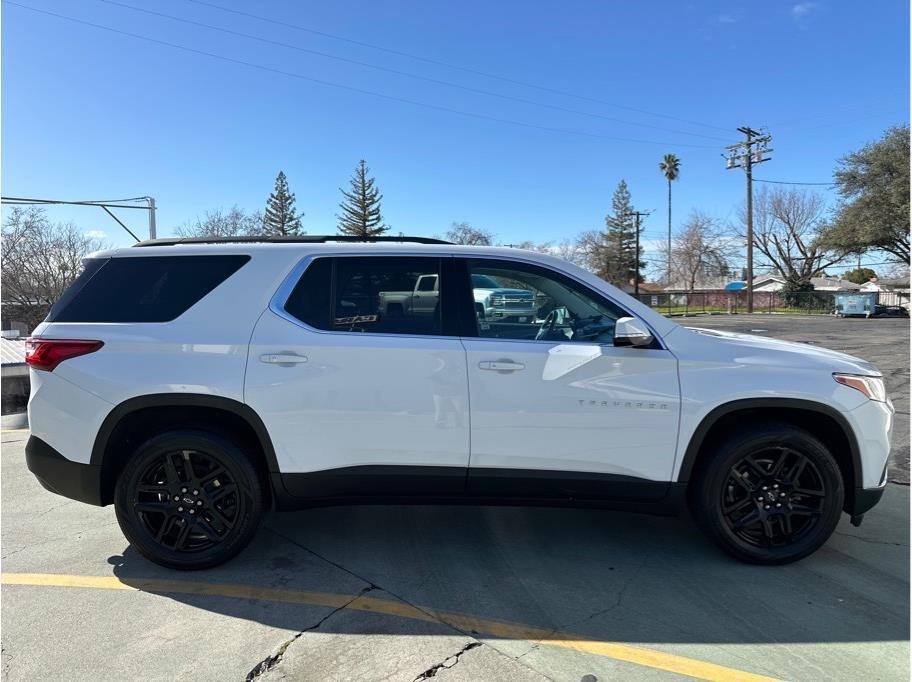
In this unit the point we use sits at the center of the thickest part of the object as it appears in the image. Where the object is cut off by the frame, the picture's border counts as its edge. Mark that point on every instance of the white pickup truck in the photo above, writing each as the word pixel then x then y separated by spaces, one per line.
pixel 494 302
pixel 422 300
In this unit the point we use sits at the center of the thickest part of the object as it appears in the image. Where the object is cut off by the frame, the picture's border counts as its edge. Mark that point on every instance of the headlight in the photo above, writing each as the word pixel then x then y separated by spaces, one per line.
pixel 873 387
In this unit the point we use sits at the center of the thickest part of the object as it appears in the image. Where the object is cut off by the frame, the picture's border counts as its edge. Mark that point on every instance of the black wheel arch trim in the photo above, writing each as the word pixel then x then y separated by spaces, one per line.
pixel 700 433
pixel 239 409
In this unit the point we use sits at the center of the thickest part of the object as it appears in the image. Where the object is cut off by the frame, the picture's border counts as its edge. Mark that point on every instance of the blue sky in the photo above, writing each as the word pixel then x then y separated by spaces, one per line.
pixel 92 114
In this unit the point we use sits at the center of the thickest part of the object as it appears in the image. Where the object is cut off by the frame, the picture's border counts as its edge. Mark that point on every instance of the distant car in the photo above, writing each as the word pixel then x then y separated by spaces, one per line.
pixel 195 385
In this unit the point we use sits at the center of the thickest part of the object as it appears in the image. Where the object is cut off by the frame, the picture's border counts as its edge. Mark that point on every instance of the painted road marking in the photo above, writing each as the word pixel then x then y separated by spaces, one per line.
pixel 12 430
pixel 621 652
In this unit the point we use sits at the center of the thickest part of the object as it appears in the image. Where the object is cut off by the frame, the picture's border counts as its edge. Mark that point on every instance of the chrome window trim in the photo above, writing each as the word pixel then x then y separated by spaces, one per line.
pixel 282 294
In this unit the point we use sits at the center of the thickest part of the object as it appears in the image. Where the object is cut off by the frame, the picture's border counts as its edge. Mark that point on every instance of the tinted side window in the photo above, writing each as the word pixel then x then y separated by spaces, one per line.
pixel 309 301
pixel 527 302
pixel 380 295
pixel 143 288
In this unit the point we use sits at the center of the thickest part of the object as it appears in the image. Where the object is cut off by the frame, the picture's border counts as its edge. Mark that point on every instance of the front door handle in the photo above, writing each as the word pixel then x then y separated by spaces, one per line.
pixel 283 358
pixel 501 365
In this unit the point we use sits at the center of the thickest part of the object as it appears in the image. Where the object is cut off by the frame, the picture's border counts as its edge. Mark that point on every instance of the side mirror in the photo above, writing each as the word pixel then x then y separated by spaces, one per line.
pixel 629 331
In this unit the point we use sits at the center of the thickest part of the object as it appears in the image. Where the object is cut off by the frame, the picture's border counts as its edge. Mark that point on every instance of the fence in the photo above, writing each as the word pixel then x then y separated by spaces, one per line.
pixel 802 303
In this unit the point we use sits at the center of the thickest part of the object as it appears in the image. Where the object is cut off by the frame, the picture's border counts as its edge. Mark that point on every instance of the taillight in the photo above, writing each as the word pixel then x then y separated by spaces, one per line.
pixel 46 354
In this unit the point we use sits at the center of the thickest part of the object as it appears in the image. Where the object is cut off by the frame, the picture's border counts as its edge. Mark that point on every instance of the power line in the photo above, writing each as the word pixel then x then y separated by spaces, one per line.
pixel 407 74
pixel 784 182
pixel 448 65
pixel 350 88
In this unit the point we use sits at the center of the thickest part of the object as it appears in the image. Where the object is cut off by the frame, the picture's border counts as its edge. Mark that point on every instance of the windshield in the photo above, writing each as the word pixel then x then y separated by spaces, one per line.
pixel 484 282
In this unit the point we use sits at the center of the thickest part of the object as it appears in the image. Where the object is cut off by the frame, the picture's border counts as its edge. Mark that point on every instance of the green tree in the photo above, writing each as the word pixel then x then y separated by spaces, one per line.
pixel 616 257
pixel 671 169
pixel 280 218
pixel 361 216
pixel 874 185
pixel 860 275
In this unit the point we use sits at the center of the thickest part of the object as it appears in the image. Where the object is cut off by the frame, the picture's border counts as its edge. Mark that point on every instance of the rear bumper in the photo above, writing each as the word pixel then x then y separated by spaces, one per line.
pixel 81 482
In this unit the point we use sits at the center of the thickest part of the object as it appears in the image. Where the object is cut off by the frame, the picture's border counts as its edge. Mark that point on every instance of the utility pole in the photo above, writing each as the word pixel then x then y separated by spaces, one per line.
pixel 151 217
pixel 636 273
pixel 744 155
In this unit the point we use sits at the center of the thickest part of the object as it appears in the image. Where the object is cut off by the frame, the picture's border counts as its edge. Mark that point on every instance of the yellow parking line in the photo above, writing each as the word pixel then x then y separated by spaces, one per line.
pixel 12 430
pixel 621 652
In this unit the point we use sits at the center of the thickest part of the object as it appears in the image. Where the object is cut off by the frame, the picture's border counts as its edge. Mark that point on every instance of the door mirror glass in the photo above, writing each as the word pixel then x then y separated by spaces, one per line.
pixel 629 331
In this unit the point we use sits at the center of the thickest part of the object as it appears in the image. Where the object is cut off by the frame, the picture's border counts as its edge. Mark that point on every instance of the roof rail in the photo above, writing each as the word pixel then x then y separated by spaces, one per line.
pixel 297 239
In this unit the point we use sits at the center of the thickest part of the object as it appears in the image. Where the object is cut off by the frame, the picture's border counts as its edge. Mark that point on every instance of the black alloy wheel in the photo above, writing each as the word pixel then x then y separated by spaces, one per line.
pixel 773 497
pixel 189 499
pixel 768 493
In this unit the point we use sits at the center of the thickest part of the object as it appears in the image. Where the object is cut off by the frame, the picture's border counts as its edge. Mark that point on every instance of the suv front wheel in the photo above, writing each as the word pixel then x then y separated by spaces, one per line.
pixel 188 499
pixel 771 494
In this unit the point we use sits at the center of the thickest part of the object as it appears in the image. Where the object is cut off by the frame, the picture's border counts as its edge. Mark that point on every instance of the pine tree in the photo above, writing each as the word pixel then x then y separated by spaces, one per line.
pixel 280 218
pixel 618 241
pixel 361 215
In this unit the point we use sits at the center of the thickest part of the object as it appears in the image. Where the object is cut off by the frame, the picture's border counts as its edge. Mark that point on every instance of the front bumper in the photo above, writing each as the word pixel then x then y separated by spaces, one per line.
pixel 81 482
pixel 865 499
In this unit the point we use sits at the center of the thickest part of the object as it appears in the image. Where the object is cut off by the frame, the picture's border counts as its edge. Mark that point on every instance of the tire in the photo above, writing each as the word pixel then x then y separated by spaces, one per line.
pixel 218 505
pixel 782 464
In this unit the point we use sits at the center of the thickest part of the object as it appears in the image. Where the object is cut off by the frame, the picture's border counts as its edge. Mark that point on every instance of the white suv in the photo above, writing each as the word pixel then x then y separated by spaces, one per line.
pixel 196 384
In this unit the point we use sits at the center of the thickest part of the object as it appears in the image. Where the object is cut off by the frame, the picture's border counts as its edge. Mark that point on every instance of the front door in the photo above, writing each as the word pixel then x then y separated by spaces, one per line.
pixel 557 410
pixel 359 402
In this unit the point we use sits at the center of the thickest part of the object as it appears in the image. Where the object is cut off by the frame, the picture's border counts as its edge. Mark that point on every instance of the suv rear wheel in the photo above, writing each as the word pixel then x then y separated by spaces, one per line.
pixel 188 499
pixel 771 494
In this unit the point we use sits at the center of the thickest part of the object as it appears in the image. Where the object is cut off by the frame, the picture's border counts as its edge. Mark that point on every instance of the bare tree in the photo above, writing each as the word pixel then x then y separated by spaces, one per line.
pixel 464 233
pixel 700 251
pixel 38 260
pixel 529 245
pixel 220 223
pixel 787 228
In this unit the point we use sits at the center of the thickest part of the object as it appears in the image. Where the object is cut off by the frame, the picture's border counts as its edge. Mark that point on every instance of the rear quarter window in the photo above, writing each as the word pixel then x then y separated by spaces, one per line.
pixel 142 288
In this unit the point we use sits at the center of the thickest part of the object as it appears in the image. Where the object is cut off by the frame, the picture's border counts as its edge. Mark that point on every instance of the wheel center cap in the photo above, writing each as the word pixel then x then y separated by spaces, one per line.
pixel 771 495
pixel 188 501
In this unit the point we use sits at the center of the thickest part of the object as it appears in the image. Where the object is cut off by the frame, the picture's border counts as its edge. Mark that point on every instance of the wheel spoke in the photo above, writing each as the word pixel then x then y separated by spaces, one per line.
pixel 222 492
pixel 207 529
pixel 165 527
pixel 152 507
pixel 809 492
pixel 171 470
pixel 225 521
pixel 741 480
pixel 795 472
pixel 785 520
pixel 735 506
pixel 747 520
pixel 151 489
pixel 756 466
pixel 803 510
pixel 182 534
pixel 780 463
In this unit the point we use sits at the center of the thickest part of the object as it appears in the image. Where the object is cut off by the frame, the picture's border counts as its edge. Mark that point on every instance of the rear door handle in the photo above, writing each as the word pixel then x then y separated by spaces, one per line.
pixel 501 365
pixel 283 358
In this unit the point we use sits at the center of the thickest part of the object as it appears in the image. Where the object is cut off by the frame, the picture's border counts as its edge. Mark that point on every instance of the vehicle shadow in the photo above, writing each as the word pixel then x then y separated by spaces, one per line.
pixel 607 576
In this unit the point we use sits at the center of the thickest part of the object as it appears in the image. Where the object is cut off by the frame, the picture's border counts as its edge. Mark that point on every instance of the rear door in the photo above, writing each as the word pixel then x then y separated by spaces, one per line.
pixel 557 410
pixel 359 402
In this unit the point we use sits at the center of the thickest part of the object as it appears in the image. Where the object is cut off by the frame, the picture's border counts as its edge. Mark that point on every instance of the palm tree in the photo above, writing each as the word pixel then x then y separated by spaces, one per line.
pixel 671 168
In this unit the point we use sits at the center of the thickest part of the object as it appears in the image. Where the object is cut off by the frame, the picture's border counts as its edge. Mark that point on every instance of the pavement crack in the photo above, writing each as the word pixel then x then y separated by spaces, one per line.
pixel 869 541
pixel 447 663
pixel 273 659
